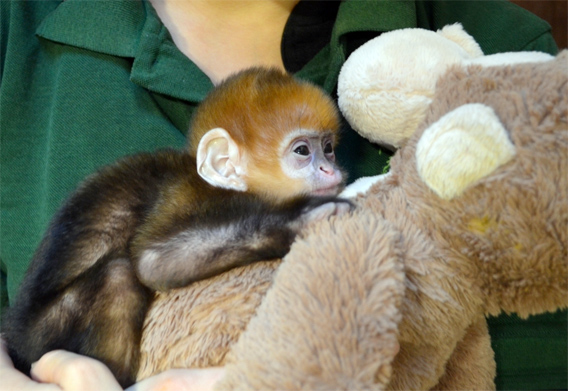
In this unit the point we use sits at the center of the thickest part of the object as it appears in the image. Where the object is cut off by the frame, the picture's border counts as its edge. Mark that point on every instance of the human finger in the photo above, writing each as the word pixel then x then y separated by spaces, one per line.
pixel 12 379
pixel 73 372
pixel 202 379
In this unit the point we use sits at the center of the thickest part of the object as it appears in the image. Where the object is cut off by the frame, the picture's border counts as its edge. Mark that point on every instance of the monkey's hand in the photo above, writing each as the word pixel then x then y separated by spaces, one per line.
pixel 333 208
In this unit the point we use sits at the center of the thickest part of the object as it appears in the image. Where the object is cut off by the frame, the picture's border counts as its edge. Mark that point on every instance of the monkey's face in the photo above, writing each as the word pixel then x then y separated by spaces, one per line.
pixel 291 151
pixel 309 157
pixel 302 163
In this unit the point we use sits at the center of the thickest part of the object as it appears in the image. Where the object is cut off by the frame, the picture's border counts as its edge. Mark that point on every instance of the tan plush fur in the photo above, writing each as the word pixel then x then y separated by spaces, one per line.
pixel 195 326
pixel 394 295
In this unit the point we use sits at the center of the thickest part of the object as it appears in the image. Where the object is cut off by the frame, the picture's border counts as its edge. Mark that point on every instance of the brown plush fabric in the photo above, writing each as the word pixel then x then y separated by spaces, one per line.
pixel 195 326
pixel 394 295
pixel 331 315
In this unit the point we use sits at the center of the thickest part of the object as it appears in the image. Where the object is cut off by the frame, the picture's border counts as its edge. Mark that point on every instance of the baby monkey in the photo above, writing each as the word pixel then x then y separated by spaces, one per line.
pixel 260 165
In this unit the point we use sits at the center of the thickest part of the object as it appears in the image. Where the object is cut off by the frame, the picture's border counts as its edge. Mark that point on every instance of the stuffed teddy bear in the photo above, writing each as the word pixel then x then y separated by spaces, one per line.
pixel 471 220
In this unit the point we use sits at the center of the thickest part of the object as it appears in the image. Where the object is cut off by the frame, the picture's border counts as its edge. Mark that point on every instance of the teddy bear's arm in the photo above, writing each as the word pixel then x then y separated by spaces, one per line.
pixel 474 349
pixel 330 319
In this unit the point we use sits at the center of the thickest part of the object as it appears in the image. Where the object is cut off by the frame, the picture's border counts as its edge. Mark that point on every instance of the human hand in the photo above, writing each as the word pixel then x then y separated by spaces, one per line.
pixel 65 371
pixel 56 371
pixel 73 372
pixel 202 379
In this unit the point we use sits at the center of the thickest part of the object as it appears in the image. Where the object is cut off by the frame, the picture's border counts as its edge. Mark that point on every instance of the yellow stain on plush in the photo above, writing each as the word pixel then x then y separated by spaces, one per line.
pixel 481 225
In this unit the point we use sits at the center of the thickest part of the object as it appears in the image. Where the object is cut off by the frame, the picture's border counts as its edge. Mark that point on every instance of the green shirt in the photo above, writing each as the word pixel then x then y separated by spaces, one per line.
pixel 86 82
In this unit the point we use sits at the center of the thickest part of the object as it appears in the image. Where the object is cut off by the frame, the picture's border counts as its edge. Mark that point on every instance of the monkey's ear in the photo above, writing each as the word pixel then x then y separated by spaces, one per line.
pixel 219 160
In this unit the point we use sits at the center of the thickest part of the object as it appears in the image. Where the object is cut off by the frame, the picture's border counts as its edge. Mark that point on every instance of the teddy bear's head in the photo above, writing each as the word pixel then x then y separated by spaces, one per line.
pixel 386 86
pixel 486 176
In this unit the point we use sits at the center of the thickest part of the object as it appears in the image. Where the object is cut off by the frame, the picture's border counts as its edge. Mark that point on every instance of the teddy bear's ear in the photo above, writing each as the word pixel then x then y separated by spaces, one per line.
pixel 456 33
pixel 462 147
pixel 386 86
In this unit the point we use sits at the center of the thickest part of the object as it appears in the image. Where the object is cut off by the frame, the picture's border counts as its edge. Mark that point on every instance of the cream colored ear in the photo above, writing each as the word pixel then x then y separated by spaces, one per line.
pixel 462 147
pixel 219 160
pixel 456 33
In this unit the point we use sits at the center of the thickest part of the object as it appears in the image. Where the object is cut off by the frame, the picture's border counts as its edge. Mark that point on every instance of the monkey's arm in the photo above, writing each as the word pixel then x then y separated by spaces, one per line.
pixel 237 230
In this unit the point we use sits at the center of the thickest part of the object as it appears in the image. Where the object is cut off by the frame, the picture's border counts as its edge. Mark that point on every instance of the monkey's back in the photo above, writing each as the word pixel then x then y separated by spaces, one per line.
pixel 93 227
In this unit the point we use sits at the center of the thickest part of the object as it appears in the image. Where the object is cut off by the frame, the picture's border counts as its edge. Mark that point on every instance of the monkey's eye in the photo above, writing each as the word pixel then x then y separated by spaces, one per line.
pixel 302 150
pixel 328 148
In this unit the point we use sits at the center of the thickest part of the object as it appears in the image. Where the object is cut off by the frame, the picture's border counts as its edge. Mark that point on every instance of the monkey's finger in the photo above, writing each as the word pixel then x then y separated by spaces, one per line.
pixel 181 380
pixel 343 208
pixel 321 212
pixel 326 210
pixel 72 372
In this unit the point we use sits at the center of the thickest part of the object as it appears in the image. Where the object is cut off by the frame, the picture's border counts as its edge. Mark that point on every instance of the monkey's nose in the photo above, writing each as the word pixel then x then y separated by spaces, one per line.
pixel 327 169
